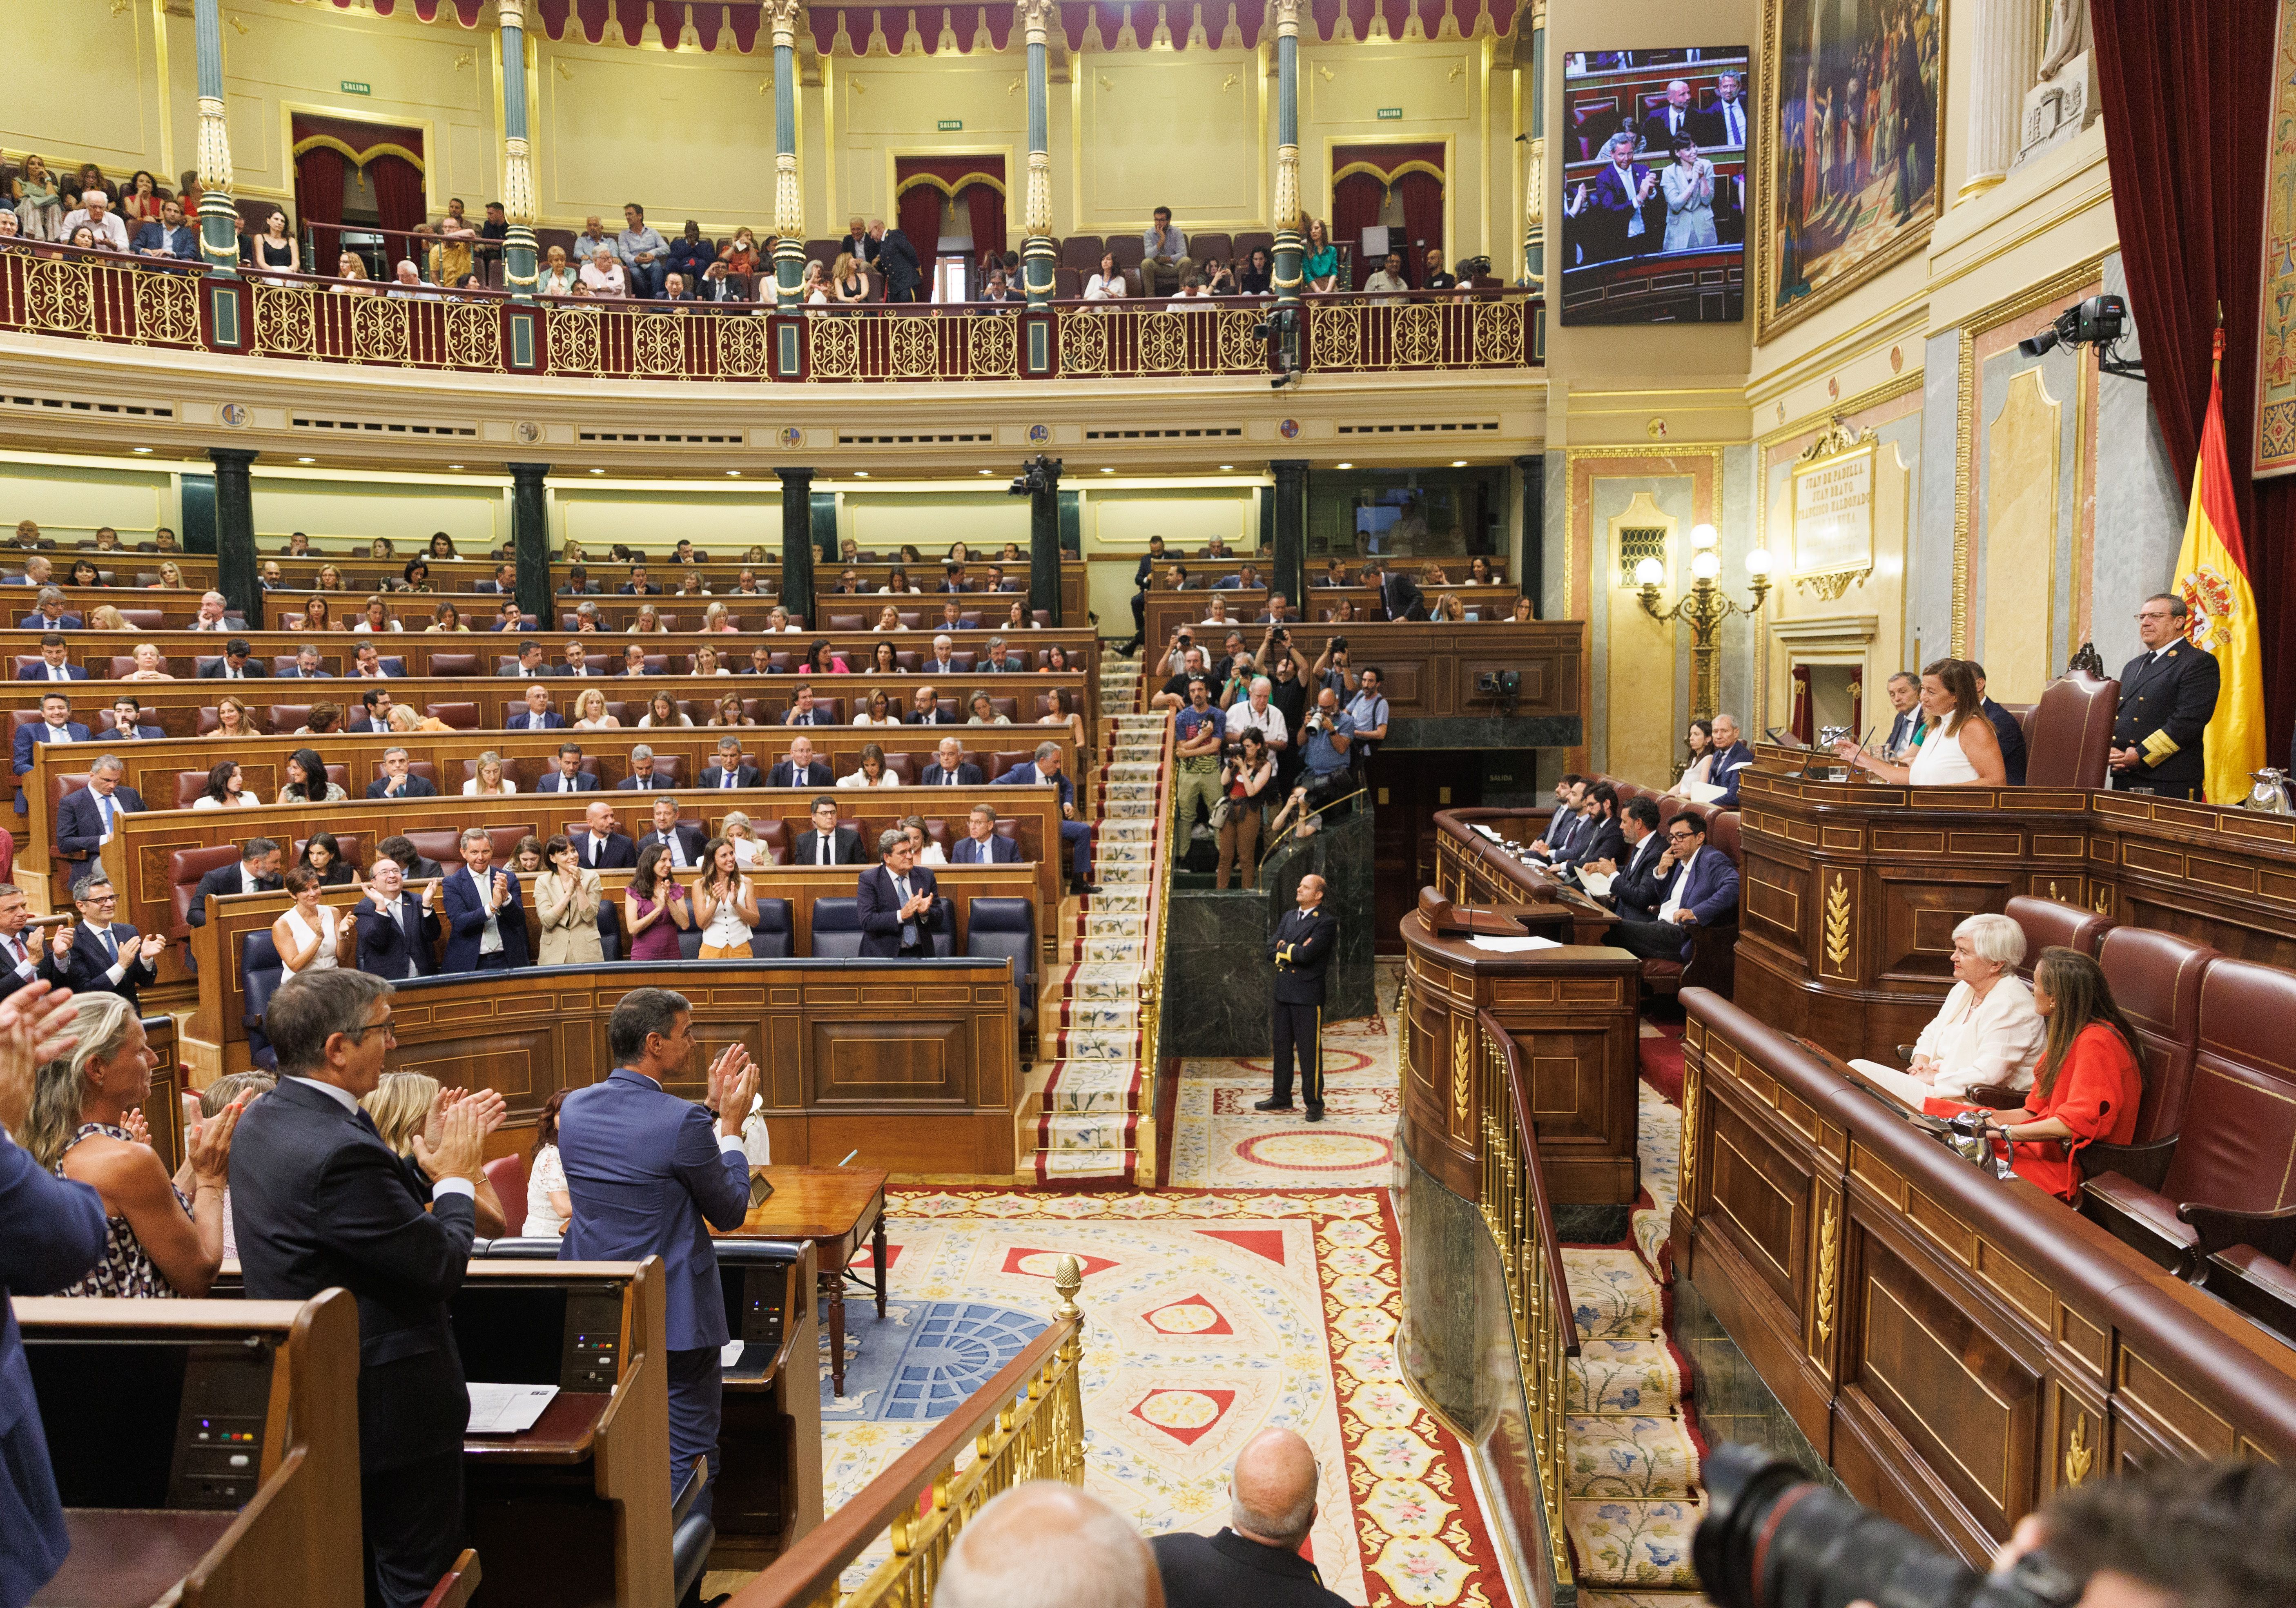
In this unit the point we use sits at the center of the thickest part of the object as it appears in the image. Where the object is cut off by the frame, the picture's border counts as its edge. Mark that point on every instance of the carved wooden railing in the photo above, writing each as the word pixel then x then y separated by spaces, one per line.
pixel 100 297
pixel 1026 1423
pixel 1516 1210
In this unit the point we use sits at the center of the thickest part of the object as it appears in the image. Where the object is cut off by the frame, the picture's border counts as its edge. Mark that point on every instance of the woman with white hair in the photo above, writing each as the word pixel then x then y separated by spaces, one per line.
pixel 1986 1032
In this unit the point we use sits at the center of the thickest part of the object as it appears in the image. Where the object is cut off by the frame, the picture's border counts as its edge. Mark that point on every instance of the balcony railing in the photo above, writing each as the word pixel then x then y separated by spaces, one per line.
pixel 101 297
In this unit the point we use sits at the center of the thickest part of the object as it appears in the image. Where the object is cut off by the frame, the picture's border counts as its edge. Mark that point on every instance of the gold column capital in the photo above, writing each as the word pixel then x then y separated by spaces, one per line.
pixel 1287 19
pixel 510 14
pixel 784 15
pixel 1035 21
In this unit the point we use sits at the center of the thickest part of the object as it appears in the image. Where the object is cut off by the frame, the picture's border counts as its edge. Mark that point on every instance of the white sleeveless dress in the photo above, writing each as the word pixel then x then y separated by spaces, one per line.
pixel 1940 762
pixel 325 959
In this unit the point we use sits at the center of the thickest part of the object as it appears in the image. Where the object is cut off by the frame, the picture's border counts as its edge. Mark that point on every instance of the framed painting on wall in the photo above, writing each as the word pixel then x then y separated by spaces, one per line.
pixel 1850 177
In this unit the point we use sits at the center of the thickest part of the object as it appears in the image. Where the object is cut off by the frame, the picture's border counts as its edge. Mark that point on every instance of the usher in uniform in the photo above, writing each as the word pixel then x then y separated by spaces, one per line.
pixel 1301 950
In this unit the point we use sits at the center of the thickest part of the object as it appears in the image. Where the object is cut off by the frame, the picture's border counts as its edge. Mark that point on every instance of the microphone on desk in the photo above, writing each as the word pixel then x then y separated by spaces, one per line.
pixel 850 1155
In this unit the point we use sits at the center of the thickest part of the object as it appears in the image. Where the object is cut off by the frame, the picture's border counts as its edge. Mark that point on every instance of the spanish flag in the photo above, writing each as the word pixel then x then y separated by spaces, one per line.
pixel 2212 577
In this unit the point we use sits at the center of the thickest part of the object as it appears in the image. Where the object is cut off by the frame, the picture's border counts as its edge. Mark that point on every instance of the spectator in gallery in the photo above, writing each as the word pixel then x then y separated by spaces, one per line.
pixel 603 274
pixel 1165 263
pixel 1106 285
pixel 1320 265
pixel 1388 287
pixel 559 276
pixel 643 253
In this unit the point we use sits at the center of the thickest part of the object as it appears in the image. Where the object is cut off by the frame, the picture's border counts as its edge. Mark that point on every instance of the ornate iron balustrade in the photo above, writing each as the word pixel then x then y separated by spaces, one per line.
pixel 98 296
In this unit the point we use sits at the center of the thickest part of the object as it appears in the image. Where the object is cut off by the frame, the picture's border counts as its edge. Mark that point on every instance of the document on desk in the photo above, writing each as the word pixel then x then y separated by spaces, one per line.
pixel 1704 792
pixel 507 1409
pixel 1596 882
pixel 1512 946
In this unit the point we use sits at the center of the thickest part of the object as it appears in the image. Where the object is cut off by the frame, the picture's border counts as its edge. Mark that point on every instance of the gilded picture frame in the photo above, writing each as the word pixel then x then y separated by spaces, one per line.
pixel 1860 205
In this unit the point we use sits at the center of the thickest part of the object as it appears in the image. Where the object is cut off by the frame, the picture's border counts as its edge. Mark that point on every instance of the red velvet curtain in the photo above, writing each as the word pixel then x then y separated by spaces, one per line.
pixel 986 207
pixel 1422 194
pixel 319 200
pixel 921 222
pixel 2187 94
pixel 1356 201
pixel 397 192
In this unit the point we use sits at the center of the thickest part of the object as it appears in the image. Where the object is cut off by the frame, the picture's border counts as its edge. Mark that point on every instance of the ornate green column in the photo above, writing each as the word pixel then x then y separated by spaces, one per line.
pixel 518 170
pixel 1037 250
pixel 1290 244
pixel 218 218
pixel 789 206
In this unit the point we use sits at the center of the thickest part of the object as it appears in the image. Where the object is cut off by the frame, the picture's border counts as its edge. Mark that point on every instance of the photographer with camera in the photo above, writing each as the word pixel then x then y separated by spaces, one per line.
pixel 1287 672
pixel 2180 1535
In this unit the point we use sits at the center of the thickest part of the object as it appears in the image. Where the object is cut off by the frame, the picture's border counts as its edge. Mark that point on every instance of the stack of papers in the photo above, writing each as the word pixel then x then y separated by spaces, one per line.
pixel 1704 792
pixel 1512 946
pixel 1596 882
pixel 507 1409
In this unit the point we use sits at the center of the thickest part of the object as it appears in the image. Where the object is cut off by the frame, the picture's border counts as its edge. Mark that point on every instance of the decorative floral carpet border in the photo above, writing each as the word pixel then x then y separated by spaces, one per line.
pixel 1419 1536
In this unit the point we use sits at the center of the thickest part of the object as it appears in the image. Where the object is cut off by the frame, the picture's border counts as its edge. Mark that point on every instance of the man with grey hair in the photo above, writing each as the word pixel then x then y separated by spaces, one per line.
pixel 641 778
pixel 944 659
pixel 1045 771
pixel 486 919
pixel 1986 1032
pixel 899 905
pixel 1044 1545
pixel 1616 204
pixel 212 606
pixel 49 613
pixel 89 816
pixel 399 780
pixel 1732 759
pixel 1255 1559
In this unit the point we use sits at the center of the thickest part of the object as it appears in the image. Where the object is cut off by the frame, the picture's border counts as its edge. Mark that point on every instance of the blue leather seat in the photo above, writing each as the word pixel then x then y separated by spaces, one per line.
pixel 1006 929
pixel 943 937
pixel 772 937
pixel 836 929
pixel 262 973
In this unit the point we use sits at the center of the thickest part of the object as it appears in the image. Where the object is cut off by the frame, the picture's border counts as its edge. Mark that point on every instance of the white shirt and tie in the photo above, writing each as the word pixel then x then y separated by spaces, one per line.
pixel 232 672
pixel 56 672
pixel 1734 122
pixel 675 847
pixel 825 849
pixel 490 941
pixel 908 928
pixel 19 959
pixel 106 810
pixel 59 733
pixel 730 777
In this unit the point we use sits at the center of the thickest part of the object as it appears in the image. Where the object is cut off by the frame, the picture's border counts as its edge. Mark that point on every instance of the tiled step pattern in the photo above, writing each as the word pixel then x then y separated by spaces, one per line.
pixel 1093 1110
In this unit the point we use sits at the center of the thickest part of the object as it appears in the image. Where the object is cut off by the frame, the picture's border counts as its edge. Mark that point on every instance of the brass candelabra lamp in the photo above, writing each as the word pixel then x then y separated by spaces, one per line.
pixel 1703 607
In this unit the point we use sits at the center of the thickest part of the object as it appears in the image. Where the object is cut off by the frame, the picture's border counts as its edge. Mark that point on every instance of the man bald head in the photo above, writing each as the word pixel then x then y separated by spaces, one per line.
pixel 1044 1545
pixel 1272 1495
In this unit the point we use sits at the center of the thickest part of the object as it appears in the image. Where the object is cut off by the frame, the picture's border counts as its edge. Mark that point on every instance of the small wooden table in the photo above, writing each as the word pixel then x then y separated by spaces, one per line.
pixel 835 1206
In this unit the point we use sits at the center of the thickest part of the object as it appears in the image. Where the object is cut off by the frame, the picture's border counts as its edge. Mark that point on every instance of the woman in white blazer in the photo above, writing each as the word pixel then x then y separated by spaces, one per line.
pixel 1986 1032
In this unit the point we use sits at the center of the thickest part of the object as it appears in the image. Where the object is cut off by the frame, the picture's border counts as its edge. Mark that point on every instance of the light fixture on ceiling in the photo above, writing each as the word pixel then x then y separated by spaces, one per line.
pixel 1105 469
pixel 456 466
pixel 1458 463
pixel 1346 465
pixel 988 471
pixel 1226 468
pixel 597 471
pixel 307 460
pixel 144 449
pixel 860 474
pixel 733 474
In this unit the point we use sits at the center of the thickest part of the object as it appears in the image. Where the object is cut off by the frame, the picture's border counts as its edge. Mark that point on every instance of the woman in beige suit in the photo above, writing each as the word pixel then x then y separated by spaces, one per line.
pixel 566 897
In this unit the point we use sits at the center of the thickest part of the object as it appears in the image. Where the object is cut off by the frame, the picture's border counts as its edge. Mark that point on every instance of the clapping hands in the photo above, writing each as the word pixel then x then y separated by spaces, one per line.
pixel 733 1088
pixel 36 1025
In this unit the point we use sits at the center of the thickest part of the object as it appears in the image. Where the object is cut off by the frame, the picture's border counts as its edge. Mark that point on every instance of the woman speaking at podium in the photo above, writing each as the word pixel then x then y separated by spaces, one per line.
pixel 1960 750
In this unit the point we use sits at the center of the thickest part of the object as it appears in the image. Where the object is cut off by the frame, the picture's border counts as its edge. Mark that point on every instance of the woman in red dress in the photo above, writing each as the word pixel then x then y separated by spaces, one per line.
pixel 2087 1085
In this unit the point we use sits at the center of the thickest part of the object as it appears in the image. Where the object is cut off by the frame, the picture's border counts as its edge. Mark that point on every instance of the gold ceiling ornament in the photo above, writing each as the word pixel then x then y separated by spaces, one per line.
pixel 1838 436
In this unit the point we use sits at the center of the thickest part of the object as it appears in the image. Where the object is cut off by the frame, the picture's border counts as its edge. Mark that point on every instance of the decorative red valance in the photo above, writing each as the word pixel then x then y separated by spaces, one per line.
pixel 859 31
pixel 949 175
pixel 1388 163
pixel 358 142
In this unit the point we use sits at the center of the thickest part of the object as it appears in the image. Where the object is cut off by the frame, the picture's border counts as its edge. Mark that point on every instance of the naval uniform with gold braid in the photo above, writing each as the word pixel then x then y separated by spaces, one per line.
pixel 2166 700
pixel 1301 950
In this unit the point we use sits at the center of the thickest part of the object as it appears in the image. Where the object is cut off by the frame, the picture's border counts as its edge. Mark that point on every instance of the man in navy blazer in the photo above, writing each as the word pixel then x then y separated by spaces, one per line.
pixel 649 1174
pixel 256 870
pixel 98 956
pixel 732 771
pixel 800 769
pixel 87 817
pixel 805 711
pixel 1045 771
pixel 168 236
pixel 1732 759
pixel 980 845
pixel 397 932
pixel 1702 888
pixel 684 842
pixel 506 581
pixel 897 902
pixel 56 725
pixel 52 1232
pixel 825 842
pixel 603 848
pixel 54 664
pixel 948 768
pixel 319 1201
pixel 486 920
pixel 570 776
pixel 538 716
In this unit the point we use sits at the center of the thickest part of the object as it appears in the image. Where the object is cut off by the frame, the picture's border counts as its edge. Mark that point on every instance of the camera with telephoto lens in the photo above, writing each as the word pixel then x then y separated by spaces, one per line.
pixel 1771 1538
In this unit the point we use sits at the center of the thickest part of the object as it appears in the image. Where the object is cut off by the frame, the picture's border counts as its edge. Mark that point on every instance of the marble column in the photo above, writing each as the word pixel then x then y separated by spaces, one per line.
pixel 218 221
pixel 1290 244
pixel 237 576
pixel 788 205
pixel 797 542
pixel 1531 563
pixel 1534 197
pixel 1288 568
pixel 530 533
pixel 1044 541
pixel 518 170
pixel 2002 68
pixel 1038 251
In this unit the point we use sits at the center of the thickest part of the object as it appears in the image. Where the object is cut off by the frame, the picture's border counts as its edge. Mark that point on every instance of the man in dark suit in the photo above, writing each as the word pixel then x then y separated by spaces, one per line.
pixel 569 777
pixel 237 663
pixel 257 871
pixel 1702 888
pixel 1727 128
pixel 168 235
pixel 2168 693
pixel 397 781
pixel 683 841
pixel 20 960
pixel 1905 690
pixel 532 663
pixel 52 1232
pixel 802 769
pixel 925 709
pixel 307 666
pixel 1636 890
pixel 980 845
pixel 943 661
pixel 486 919
pixel 2011 735
pixel 1400 597
pixel 600 842
pixel 1255 1559
pixel 949 767
pixel 827 843
pixel 1045 771
pixel 804 711
pixel 506 581
pixel 897 902
pixel 1150 562
pixel 100 956
pixel 1567 824
pixel 643 777
pixel 374 705
pixel 538 716
pixel 397 932
pixel 54 663
pixel 732 771
pixel 638 586
pixel 1623 195
pixel 56 725
pixel 319 1201
pixel 1302 949
pixel 859 243
pixel 1601 838
pixel 87 817
pixel 1672 120
pixel 410 860
pixel 897 260
pixel 1732 758
pixel 650 1175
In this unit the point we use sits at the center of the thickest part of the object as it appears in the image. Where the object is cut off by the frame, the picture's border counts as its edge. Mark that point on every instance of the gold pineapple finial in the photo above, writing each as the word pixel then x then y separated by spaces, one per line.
pixel 1068 1278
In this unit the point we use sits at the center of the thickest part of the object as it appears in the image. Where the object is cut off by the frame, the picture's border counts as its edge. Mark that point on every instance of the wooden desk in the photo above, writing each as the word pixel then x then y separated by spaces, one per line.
pixel 766 1495
pixel 130 1557
pixel 566 1432
pixel 834 1207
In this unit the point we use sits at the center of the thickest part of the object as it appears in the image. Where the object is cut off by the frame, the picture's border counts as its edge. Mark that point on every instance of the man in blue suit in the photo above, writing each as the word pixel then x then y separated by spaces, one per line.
pixel 54 663
pixel 948 768
pixel 485 920
pixel 1046 772
pixel 168 236
pixel 397 932
pixel 898 904
pixel 1702 888
pixel 570 776
pixel 649 1174
pixel 86 819
pixel 52 1232
pixel 980 845
pixel 1732 759
pixel 56 725
pixel 538 716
